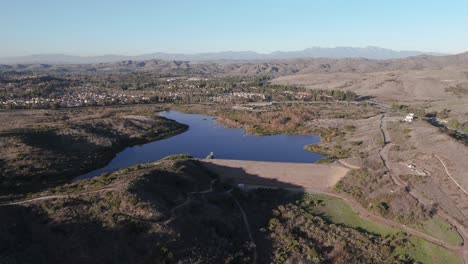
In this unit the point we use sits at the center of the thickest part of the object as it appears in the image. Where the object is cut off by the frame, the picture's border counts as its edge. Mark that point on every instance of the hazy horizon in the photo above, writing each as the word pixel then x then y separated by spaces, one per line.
pixel 222 51
pixel 91 28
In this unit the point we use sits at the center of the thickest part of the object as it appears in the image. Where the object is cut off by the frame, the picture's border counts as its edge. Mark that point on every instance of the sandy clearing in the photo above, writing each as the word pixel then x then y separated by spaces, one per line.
pixel 278 174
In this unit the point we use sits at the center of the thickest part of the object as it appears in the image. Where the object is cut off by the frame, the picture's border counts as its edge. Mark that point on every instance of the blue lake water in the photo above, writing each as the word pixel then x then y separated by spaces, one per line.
pixel 205 135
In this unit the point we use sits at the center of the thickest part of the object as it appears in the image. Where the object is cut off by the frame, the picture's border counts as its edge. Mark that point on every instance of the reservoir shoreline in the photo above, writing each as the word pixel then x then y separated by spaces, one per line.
pixel 205 135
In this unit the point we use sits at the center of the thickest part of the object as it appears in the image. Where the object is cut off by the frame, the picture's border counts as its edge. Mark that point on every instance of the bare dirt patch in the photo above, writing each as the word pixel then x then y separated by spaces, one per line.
pixel 278 174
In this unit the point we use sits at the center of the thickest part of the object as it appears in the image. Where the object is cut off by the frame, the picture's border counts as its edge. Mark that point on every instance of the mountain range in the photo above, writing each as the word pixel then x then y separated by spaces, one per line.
pixel 370 52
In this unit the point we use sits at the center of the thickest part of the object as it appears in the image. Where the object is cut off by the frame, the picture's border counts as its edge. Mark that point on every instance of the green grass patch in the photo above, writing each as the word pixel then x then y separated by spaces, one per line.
pixel 426 252
pixel 333 152
pixel 339 212
pixel 439 228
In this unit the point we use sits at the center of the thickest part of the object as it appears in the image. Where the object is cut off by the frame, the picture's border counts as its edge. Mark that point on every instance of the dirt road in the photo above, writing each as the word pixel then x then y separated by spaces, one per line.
pixel 364 213
pixel 450 176
pixel 59 196
pixel 462 251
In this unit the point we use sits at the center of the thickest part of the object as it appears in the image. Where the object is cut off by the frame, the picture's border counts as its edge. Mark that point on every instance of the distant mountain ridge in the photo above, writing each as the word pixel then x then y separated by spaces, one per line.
pixel 370 52
pixel 276 67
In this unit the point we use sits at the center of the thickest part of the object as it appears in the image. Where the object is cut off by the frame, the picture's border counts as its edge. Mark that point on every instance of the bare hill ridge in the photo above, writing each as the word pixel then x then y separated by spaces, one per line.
pixel 270 67
pixel 369 52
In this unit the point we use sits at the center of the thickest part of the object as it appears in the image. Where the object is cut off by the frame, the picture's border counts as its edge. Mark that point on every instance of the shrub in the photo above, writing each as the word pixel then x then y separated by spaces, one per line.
pixel 383 208
pixel 443 114
pixel 453 124
pixel 178 157
pixel 465 128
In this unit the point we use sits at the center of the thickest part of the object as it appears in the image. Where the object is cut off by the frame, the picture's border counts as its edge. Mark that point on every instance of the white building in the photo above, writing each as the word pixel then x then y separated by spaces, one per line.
pixel 409 118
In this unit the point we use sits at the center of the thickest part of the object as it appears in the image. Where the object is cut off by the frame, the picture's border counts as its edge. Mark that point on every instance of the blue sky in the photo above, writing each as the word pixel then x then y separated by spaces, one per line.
pixel 92 27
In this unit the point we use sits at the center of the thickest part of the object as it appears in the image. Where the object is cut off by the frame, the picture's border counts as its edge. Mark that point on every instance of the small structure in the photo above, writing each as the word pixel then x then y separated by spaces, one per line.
pixel 210 156
pixel 409 118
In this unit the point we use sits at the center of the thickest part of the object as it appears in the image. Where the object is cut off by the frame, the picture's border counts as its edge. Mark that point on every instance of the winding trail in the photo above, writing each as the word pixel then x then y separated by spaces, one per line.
pixel 247 225
pixel 364 213
pixel 188 200
pixel 228 192
pixel 377 218
pixel 60 196
pixel 460 228
pixel 462 251
pixel 450 176
pixel 346 164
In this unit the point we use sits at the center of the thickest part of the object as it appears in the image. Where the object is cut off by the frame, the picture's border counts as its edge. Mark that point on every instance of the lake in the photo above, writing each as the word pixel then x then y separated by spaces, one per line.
pixel 205 135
